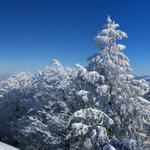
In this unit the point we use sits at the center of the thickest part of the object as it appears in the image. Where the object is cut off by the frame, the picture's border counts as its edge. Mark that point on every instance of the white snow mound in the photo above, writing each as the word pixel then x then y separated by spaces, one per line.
pixel 4 146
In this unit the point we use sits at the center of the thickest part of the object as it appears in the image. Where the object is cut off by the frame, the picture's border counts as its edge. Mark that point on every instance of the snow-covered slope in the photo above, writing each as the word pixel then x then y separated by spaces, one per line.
pixel 7 147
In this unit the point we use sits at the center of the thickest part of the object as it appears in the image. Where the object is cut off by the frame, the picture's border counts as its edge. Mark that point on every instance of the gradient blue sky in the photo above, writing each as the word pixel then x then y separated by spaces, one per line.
pixel 33 32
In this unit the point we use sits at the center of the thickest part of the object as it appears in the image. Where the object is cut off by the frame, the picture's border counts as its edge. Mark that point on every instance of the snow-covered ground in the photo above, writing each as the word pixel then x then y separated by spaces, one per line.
pixel 7 147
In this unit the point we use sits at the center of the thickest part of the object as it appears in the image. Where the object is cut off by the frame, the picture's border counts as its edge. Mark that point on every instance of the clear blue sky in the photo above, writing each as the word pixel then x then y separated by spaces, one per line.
pixel 33 32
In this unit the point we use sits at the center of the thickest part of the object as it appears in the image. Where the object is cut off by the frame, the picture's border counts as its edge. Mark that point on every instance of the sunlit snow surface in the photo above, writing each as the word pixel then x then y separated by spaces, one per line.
pixel 6 147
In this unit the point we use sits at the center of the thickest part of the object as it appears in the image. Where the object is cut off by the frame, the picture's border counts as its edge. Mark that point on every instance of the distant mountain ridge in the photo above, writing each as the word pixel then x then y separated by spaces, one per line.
pixel 4 75
pixel 145 77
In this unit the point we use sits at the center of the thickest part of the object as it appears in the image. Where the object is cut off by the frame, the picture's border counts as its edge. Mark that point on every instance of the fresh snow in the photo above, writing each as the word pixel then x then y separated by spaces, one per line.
pixel 95 115
pixel 4 146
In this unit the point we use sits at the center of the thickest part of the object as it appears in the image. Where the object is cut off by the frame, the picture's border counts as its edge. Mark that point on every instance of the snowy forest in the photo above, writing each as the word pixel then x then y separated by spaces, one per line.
pixel 101 106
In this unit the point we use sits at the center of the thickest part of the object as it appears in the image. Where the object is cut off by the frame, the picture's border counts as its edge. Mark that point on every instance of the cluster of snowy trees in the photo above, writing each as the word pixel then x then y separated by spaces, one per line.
pixel 97 107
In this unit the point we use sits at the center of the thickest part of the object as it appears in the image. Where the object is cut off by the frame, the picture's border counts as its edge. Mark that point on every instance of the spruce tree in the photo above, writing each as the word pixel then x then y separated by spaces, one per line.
pixel 124 103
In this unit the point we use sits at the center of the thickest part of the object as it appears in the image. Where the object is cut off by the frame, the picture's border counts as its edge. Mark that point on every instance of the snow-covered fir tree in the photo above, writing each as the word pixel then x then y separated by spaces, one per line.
pixel 89 126
pixel 126 106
